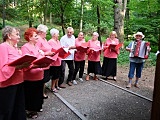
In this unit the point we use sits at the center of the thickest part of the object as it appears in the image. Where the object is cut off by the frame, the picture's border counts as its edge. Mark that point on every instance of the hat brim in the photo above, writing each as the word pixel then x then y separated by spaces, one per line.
pixel 138 34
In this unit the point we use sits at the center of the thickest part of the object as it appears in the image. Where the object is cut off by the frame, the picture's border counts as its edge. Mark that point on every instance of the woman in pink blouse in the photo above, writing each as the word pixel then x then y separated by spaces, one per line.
pixel 79 58
pixel 94 52
pixel 109 67
pixel 12 103
pixel 55 67
pixel 33 84
pixel 43 45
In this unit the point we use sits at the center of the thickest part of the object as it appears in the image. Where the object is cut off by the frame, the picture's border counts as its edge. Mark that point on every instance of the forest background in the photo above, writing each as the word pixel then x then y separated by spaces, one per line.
pixel 126 17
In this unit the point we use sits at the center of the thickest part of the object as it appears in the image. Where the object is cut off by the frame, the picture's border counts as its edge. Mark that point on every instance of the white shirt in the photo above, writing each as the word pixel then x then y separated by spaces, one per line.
pixel 68 42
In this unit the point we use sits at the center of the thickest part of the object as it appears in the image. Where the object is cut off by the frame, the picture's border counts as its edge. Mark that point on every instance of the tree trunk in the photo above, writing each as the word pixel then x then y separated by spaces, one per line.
pixel 4 13
pixel 127 21
pixel 119 15
pixel 45 11
pixel 62 18
pixel 81 20
pixel 50 18
pixel 98 26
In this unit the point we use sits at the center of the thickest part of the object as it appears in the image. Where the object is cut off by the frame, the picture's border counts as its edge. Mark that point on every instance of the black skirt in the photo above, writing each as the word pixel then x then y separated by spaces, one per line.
pixel 55 72
pixel 33 95
pixel 109 67
pixel 94 67
pixel 46 76
pixel 12 103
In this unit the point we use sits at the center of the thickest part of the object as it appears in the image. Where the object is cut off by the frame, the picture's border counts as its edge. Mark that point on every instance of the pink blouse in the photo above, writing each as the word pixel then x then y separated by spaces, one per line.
pixel 56 45
pixel 94 50
pixel 34 74
pixel 108 52
pixel 8 74
pixel 79 56
pixel 44 46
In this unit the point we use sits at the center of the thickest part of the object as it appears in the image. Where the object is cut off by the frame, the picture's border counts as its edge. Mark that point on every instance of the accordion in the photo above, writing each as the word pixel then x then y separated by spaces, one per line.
pixel 140 49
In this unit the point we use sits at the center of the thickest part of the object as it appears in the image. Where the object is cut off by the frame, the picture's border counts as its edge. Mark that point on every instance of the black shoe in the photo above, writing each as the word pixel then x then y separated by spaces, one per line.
pixel 45 97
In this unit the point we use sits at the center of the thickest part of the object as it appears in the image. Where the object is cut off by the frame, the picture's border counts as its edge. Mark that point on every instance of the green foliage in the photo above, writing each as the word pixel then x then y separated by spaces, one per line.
pixel 145 17
pixel 123 57
pixel 151 60
pixel 89 28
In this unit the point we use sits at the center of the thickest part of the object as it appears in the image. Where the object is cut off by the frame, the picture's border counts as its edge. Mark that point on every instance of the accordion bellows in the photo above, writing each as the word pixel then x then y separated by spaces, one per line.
pixel 139 49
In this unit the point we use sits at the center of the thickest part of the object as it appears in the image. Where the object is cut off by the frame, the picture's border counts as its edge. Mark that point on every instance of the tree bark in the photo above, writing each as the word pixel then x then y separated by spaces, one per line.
pixel 45 12
pixel 98 26
pixel 62 17
pixel 4 13
pixel 81 20
pixel 119 15
pixel 50 17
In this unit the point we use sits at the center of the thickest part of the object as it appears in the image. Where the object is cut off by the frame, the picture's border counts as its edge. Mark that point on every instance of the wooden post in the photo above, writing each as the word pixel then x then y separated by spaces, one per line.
pixel 155 113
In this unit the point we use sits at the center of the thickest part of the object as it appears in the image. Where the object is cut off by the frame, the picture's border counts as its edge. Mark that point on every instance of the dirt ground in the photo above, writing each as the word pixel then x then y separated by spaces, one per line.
pixel 146 83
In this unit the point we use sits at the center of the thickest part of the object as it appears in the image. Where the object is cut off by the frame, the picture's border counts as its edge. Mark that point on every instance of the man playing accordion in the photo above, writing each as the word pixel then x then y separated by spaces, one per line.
pixel 139 50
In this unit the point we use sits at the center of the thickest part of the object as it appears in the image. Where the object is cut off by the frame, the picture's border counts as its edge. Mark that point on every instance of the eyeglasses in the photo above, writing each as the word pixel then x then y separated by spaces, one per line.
pixel 138 35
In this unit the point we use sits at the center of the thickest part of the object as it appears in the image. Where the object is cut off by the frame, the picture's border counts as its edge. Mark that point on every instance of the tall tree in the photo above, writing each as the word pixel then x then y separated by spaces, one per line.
pixel 98 26
pixel 62 8
pixel 4 13
pixel 119 15
pixel 45 10
pixel 81 17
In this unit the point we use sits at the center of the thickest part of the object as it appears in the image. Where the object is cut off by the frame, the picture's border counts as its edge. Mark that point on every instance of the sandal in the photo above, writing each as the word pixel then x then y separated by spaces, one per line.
pixel 54 90
pixel 114 78
pixel 58 88
pixel 32 115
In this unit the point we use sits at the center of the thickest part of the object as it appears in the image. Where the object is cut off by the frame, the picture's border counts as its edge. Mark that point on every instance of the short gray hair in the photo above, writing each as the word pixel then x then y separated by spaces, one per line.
pixel 42 28
pixel 6 31
pixel 54 31
pixel 70 28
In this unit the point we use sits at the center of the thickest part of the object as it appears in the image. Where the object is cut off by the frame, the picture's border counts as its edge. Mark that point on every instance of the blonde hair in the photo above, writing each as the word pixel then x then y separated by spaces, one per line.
pixel 95 33
pixel 113 33
pixel 42 28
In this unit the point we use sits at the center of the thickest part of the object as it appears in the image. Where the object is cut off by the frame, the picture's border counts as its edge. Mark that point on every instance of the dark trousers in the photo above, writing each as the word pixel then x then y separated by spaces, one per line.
pixel 12 103
pixel 33 95
pixel 71 71
pixel 79 66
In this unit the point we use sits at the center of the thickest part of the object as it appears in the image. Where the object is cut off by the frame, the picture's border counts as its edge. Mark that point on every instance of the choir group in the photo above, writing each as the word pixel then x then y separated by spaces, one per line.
pixel 22 86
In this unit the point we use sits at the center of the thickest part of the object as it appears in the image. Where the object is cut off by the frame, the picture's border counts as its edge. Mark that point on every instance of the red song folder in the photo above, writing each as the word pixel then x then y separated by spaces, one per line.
pixel 116 46
pixel 119 46
pixel 63 52
pixel 23 59
pixel 43 60
pixel 83 48
pixel 96 49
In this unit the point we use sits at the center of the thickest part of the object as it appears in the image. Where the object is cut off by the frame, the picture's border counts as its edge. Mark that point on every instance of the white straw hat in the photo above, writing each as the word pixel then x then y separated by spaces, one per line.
pixel 139 33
